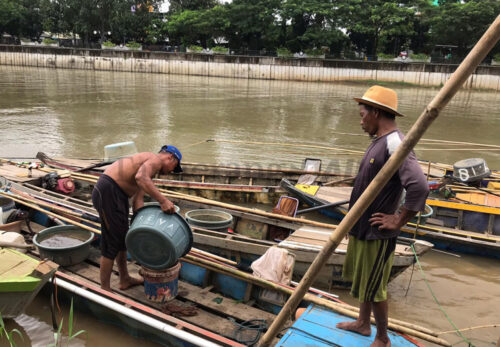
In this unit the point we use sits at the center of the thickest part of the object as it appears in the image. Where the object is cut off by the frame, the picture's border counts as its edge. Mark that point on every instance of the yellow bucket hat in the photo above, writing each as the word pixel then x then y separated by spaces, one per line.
pixel 380 97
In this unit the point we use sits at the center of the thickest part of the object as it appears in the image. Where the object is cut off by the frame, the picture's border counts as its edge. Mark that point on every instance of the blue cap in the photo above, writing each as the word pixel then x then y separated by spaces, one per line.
pixel 176 153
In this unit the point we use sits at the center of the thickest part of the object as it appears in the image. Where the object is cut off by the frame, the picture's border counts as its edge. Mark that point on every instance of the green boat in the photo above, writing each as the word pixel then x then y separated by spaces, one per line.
pixel 21 278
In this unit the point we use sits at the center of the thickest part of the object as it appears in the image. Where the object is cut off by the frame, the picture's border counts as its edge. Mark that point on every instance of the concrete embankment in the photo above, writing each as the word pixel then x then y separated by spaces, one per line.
pixel 293 69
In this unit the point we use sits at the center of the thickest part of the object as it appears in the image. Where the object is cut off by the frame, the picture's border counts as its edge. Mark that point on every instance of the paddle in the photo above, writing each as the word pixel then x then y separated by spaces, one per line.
pixel 317 208
pixel 103 163
pixel 51 162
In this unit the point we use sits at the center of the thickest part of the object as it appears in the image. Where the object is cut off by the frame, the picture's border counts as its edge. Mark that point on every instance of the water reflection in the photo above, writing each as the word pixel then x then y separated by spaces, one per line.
pixel 75 113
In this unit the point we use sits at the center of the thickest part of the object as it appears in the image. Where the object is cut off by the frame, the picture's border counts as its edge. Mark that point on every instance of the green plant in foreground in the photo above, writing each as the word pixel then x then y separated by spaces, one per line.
pixel 133 45
pixel 108 44
pixel 58 336
pixel 496 57
pixel 9 334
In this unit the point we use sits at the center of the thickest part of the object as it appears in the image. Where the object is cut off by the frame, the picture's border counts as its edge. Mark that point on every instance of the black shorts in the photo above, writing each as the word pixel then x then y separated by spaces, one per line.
pixel 112 204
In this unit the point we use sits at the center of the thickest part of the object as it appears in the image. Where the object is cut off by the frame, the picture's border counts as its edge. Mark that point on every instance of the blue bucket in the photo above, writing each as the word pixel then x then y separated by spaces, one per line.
pixel 156 239
pixel 161 286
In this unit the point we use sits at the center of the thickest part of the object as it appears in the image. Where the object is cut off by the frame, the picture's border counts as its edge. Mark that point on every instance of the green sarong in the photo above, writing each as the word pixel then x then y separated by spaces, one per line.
pixel 368 265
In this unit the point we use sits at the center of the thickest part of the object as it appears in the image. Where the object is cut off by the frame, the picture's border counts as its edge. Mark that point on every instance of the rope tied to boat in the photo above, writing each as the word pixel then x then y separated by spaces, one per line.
pixel 459 333
pixel 258 325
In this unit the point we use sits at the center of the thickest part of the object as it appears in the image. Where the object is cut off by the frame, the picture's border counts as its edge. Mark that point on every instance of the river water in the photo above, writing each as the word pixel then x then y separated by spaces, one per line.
pixel 259 123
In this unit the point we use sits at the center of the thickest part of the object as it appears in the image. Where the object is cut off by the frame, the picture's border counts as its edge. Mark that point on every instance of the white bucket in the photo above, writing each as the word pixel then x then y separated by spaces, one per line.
pixel 119 150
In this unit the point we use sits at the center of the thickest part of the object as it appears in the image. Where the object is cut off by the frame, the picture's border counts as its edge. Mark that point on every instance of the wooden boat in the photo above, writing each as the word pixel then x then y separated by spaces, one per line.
pixel 222 183
pixel 456 225
pixel 251 237
pixel 21 278
pixel 310 330
pixel 216 304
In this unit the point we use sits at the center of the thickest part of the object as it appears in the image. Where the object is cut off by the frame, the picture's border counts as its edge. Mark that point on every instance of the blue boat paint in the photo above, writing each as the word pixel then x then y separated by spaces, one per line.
pixel 316 327
pixel 230 286
pixel 193 274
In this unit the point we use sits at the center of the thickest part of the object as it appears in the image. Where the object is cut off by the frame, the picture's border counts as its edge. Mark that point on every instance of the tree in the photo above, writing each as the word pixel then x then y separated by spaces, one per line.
pixel 200 27
pixel 11 15
pixel 177 6
pixel 462 24
pixel 367 21
pixel 253 24
pixel 312 24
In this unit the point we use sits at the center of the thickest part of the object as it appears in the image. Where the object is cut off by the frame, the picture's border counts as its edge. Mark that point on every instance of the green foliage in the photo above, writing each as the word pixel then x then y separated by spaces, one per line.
pixel 383 56
pixel 419 56
pixel 9 335
pixel 496 57
pixel 368 26
pixel 463 23
pixel 192 5
pixel 58 335
pixel 133 45
pixel 48 41
pixel 197 27
pixel 108 44
pixel 284 52
pixel 220 50
pixel 195 49
pixel 314 52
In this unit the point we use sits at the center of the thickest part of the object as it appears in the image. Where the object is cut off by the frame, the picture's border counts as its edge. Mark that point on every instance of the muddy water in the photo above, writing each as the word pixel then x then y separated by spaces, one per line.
pixel 61 242
pixel 260 123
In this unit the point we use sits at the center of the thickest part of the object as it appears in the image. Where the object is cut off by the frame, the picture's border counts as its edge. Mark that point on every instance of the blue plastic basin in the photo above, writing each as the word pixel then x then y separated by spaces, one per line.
pixel 156 239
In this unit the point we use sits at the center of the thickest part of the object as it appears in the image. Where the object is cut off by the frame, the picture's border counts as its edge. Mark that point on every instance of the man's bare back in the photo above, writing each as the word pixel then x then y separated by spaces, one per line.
pixel 124 171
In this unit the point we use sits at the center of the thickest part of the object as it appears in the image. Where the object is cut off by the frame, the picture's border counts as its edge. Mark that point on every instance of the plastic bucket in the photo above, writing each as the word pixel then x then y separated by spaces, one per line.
pixel 210 219
pixel 156 239
pixel 64 254
pixel 428 211
pixel 161 286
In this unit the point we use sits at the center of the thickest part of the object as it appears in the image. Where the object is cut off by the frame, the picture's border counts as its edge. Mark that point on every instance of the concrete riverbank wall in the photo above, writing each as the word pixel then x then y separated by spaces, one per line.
pixel 293 69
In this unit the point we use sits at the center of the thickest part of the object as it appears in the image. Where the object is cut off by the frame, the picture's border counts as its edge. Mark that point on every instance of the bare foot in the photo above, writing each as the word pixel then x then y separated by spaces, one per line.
pixel 130 282
pixel 357 327
pixel 106 288
pixel 381 342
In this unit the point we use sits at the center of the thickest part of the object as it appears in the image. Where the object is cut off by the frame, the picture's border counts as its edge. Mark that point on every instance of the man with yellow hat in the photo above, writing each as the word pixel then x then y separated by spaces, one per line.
pixel 372 240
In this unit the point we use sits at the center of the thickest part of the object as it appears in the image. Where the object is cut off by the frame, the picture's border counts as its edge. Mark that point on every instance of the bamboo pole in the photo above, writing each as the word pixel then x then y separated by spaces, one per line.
pixel 213 256
pixel 397 325
pixel 53 207
pixel 178 195
pixel 431 112
pixel 38 208
pixel 192 198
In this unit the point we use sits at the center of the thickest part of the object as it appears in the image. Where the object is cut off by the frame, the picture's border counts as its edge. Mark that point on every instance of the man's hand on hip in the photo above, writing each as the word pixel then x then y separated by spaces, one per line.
pixel 386 221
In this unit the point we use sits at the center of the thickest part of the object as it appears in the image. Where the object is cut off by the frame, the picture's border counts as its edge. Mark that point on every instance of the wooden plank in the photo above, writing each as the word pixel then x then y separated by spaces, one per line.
pixel 203 319
pixel 227 307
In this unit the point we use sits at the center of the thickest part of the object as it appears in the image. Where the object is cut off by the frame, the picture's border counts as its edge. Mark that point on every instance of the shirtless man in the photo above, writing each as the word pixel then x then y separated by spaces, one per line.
pixel 128 178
